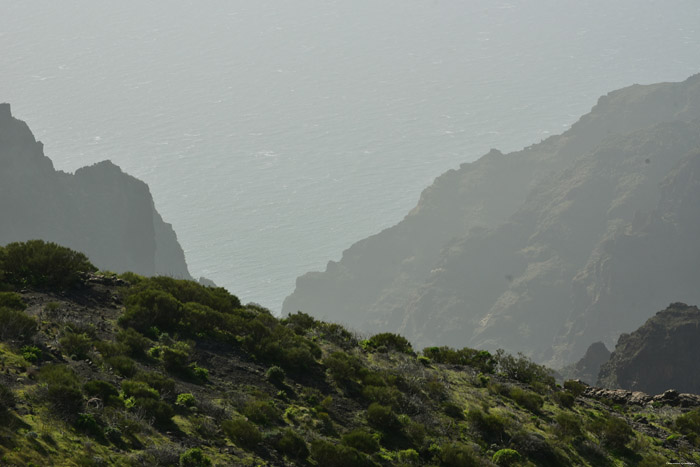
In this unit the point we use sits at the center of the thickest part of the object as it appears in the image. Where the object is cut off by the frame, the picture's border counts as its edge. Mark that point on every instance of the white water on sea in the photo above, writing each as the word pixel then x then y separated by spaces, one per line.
pixel 275 133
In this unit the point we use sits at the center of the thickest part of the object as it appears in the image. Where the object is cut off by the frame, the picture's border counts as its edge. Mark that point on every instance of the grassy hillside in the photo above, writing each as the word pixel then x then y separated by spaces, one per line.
pixel 99 369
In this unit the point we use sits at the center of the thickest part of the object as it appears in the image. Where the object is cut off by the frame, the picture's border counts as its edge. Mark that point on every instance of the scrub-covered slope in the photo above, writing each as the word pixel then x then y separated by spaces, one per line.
pixel 106 370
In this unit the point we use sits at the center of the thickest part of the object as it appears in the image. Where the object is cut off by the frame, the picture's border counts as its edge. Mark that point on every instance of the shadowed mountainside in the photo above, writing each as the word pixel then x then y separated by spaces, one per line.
pixel 514 251
pixel 99 209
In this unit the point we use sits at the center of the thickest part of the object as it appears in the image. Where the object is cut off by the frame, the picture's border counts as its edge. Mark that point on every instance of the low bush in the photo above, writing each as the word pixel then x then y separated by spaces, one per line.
pixel 523 369
pixel 242 433
pixel 134 342
pixel 490 425
pixel 31 353
pixel 343 367
pixel 194 457
pixel 387 341
pixel 614 432
pixel 42 264
pixel 186 399
pixel 362 441
pixel 12 301
pixel 300 322
pixel 568 425
pixel 381 417
pixel 564 398
pixel 506 457
pixel 76 345
pixel 7 398
pixel 689 423
pixel 527 399
pixel 87 424
pixel 16 325
pixel 62 390
pixel 575 387
pixel 122 365
pixel 103 390
pixel 337 455
pixel 292 445
pixel 156 410
pixel 458 455
pixel 262 412
pixel 158 381
pixel 275 375
pixel 139 389
pixel 479 359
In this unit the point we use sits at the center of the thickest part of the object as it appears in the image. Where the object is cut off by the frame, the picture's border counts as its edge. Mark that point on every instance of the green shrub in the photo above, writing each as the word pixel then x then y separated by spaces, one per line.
pixel 564 398
pixel 614 432
pixel 689 423
pixel 139 389
pixel 122 365
pixel 458 455
pixel 103 390
pixel 76 345
pixel 453 410
pixel 491 426
pixel 479 359
pixel 342 367
pixel 31 353
pixel 575 387
pixel 134 342
pixel 42 264
pixel 523 369
pixel 506 457
pixel 568 425
pixel 242 432
pixel 292 445
pixel 186 399
pixel 62 390
pixel 388 341
pixel 158 381
pixel 331 455
pixel 385 395
pixel 12 300
pixel 275 375
pixel 87 424
pixel 262 412
pixel 16 325
pixel 157 410
pixel 362 441
pixel 194 457
pixel 199 373
pixel 300 322
pixel 381 417
pixel 527 399
pixel 151 308
pixel 7 398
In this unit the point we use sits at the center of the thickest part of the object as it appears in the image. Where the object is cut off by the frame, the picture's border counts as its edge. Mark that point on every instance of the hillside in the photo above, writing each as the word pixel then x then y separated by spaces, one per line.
pixel 660 355
pixel 538 250
pixel 99 210
pixel 126 370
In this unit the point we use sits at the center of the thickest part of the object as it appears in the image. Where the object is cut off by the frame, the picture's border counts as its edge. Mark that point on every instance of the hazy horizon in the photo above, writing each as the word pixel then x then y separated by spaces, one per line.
pixel 273 135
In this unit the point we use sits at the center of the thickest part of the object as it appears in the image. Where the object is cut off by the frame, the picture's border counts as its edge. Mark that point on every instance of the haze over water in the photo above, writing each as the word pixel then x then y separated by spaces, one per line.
pixel 273 134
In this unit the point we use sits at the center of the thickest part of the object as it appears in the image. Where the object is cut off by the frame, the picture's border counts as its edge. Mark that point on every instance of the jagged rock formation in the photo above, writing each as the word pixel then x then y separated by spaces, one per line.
pixel 543 250
pixel 660 355
pixel 620 396
pixel 99 210
pixel 588 367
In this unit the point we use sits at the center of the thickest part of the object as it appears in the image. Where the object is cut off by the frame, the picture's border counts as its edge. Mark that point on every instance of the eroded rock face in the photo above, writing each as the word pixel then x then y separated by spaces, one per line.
pixel 661 355
pixel 588 367
pixel 99 210
pixel 620 396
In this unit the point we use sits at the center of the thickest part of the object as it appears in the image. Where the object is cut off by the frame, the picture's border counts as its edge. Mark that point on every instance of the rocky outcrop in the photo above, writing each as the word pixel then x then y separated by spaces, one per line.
pixel 541 250
pixel 660 355
pixel 620 396
pixel 99 210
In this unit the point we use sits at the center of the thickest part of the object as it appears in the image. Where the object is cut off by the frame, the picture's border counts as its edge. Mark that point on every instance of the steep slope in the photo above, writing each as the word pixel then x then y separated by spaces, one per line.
pixel 489 255
pixel 101 210
pixel 135 371
pixel 660 355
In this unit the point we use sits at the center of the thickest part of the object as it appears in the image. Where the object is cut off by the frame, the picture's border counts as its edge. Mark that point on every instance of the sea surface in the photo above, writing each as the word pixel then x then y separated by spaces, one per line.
pixel 275 133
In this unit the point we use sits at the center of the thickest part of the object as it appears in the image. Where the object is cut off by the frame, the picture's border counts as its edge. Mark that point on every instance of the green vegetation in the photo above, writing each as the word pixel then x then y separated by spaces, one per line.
pixel 181 374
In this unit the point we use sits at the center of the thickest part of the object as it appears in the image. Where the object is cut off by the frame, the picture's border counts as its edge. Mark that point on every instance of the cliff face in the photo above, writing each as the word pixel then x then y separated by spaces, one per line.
pixel 660 355
pixel 99 210
pixel 496 252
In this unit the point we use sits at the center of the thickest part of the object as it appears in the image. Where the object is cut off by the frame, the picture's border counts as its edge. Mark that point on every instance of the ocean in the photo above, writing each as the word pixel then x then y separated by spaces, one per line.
pixel 275 133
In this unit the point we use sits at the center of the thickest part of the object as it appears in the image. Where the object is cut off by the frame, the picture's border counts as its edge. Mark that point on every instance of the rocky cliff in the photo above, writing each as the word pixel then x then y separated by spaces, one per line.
pixel 660 355
pixel 99 210
pixel 514 250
